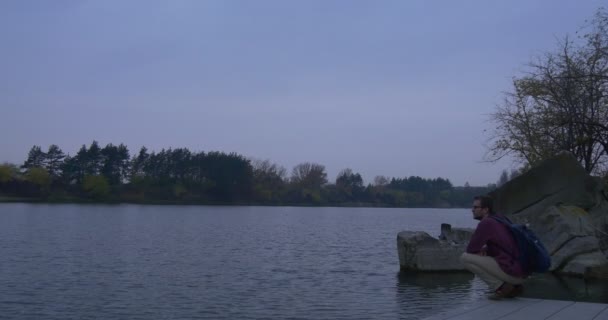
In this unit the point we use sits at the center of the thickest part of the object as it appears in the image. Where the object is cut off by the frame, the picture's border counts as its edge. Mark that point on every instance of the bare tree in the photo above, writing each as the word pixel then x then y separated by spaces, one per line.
pixel 265 171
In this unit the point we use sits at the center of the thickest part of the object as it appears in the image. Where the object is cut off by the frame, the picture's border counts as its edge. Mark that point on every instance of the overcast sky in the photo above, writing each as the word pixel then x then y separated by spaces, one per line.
pixel 394 88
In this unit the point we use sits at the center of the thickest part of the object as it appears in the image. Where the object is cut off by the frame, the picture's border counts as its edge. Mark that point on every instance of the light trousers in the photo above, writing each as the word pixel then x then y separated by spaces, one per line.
pixel 488 270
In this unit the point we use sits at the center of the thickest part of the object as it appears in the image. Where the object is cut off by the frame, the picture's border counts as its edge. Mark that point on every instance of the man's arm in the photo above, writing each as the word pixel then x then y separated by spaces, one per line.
pixel 479 239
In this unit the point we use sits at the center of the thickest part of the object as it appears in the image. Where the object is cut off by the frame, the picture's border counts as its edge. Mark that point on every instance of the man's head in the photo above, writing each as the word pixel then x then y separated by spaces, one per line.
pixel 482 207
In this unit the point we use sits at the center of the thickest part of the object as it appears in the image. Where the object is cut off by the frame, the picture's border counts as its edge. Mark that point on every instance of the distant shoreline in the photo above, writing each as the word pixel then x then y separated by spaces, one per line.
pixel 6 199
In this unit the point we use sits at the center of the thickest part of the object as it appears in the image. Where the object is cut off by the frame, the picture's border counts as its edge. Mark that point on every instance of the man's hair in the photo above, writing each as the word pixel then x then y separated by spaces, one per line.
pixel 485 202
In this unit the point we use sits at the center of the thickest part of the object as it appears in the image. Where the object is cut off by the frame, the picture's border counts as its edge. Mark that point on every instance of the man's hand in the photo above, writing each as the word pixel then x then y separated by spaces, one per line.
pixel 484 251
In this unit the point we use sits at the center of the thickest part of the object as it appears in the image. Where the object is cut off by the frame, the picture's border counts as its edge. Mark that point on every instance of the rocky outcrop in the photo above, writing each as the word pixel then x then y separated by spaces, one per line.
pixel 558 200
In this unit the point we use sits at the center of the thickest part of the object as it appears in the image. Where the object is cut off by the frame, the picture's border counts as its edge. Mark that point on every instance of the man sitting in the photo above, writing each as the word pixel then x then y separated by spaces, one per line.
pixel 492 253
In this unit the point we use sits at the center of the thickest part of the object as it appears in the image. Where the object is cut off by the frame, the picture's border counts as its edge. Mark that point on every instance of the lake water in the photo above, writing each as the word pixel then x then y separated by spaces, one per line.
pixel 207 262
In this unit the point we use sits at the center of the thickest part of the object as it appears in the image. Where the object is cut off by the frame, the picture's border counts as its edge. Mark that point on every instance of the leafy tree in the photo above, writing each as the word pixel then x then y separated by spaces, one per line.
pixel 94 159
pixel 232 176
pixel 197 168
pixel 87 161
pixel 5 174
pixel 96 187
pixel 40 178
pixel 8 172
pixel 138 163
pixel 124 163
pixel 115 163
pixel 35 158
pixel 560 104
pixel 54 160
pixel 349 184
pixel 181 164
pixel 179 191
pixel 440 184
pixel 347 179
pixel 70 171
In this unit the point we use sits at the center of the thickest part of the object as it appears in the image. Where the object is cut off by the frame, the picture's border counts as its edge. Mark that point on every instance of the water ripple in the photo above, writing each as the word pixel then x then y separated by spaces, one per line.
pixel 189 262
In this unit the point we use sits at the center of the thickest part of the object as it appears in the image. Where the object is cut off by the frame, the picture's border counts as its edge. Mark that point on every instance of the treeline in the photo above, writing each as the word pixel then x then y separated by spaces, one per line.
pixel 111 174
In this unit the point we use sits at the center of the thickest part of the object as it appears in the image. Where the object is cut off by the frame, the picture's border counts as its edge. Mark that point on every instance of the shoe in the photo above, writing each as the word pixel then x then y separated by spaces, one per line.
pixel 504 291
pixel 518 290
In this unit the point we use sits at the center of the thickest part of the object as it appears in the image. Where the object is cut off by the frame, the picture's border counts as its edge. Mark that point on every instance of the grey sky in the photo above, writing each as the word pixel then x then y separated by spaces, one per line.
pixel 393 88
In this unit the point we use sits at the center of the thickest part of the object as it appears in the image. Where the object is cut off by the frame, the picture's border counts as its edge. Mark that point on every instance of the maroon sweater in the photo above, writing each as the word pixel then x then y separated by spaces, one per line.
pixel 497 241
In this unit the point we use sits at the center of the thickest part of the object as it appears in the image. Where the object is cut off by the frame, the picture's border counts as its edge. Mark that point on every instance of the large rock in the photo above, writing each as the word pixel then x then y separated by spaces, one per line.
pixel 557 180
pixel 599 218
pixel 418 251
pixel 455 235
pixel 558 200
pixel 568 234
pixel 589 265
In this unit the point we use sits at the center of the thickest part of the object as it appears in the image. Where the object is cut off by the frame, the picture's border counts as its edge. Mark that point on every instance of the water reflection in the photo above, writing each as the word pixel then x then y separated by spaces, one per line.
pixel 425 294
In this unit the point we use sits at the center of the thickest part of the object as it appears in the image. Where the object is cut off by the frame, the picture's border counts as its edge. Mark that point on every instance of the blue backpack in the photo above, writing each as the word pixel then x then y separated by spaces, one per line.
pixel 533 256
